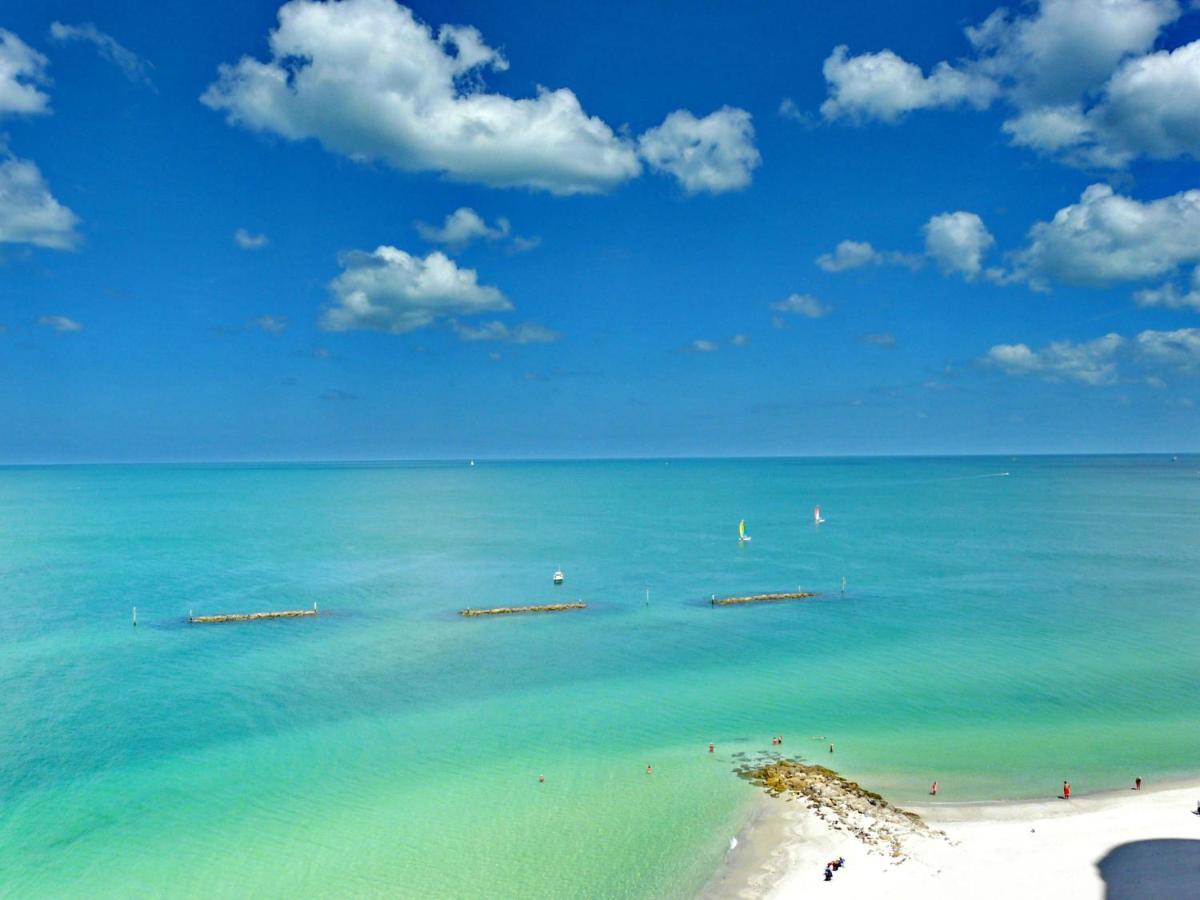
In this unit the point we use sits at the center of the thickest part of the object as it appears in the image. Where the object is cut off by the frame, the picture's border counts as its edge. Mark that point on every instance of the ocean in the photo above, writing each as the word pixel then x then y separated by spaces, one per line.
pixel 1007 623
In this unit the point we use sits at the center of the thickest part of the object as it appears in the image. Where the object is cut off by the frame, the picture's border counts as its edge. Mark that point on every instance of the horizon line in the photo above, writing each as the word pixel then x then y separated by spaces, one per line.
pixel 365 461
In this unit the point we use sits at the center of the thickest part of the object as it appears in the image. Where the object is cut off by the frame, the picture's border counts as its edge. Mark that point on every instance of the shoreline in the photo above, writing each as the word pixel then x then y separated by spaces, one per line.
pixel 1113 843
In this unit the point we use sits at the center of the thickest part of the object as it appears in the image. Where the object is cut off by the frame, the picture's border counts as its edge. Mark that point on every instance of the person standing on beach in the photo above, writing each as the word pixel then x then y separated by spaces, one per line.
pixel 649 770
pixel 1137 783
pixel 1066 790
pixel 933 789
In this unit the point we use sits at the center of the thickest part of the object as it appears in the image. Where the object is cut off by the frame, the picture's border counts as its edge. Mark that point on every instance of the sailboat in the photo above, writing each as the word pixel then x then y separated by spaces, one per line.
pixel 817 520
pixel 742 536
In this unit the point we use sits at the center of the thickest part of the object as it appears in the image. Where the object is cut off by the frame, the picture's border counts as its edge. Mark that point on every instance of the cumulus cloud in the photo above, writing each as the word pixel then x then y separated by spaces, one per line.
pixel 1079 74
pixel 1169 296
pixel 849 255
pixel 957 241
pixel 22 71
pixel 1062 49
pixel 461 227
pixel 248 241
pixel 393 291
pixel 133 66
pixel 1150 354
pixel 713 154
pixel 1091 362
pixel 702 346
pixel 29 214
pixel 884 86
pixel 803 305
pixel 1106 237
pixel 857 254
pixel 370 81
pixel 60 324
pixel 1179 348
pixel 1151 107
pixel 524 333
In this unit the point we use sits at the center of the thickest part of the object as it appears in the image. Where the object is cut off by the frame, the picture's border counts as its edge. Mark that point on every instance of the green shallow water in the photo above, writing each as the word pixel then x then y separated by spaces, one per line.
pixel 999 634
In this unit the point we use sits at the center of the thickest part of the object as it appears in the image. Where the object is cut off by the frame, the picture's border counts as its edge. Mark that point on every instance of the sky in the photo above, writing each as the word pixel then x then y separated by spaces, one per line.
pixel 362 230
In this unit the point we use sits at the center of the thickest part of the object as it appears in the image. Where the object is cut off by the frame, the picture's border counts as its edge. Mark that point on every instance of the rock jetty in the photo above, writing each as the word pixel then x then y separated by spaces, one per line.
pixel 843 804
pixel 760 598
pixel 508 610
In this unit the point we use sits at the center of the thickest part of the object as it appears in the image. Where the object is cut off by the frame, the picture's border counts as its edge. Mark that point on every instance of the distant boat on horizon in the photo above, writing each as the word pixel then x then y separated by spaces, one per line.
pixel 742 536
pixel 817 520
pixel 558 576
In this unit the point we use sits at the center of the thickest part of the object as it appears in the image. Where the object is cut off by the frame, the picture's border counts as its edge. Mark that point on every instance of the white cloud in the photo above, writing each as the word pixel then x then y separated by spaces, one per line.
pixel 1079 74
pixel 1091 362
pixel 461 227
pixel 883 86
pixel 22 70
pixel 803 305
pixel 856 254
pixel 958 242
pixel 390 290
pixel 789 110
pixel 271 324
pixel 740 340
pixel 1049 128
pixel 524 333
pixel 1152 107
pixel 60 324
pixel 1106 237
pixel 248 241
pixel 1065 48
pixel 702 346
pixel 524 244
pixel 135 68
pixel 1179 348
pixel 1170 296
pixel 370 81
pixel 29 214
pixel 713 154
pixel 849 255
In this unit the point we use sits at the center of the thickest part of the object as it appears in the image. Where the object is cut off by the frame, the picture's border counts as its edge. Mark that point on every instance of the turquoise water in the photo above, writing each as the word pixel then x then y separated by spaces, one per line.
pixel 998 633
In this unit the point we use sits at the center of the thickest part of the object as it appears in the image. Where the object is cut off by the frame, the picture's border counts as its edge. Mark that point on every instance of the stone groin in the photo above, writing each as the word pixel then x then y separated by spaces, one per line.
pixel 844 804
pixel 508 610
pixel 250 617
pixel 760 598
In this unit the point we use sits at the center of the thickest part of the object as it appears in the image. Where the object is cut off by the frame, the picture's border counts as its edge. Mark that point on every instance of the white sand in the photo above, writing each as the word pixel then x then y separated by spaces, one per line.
pixel 1128 844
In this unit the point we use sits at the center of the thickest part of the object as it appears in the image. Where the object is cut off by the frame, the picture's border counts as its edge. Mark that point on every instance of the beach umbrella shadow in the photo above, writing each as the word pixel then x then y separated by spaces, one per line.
pixel 1163 869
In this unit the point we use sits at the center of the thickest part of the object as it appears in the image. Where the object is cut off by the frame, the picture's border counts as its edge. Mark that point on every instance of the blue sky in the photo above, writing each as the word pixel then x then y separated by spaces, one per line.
pixel 364 230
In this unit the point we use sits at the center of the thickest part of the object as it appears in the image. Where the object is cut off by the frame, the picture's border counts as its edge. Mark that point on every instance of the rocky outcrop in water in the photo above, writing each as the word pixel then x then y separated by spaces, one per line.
pixel 845 805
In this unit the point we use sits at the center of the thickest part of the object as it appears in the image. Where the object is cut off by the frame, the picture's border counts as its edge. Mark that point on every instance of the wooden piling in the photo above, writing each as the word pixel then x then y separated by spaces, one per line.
pixel 508 610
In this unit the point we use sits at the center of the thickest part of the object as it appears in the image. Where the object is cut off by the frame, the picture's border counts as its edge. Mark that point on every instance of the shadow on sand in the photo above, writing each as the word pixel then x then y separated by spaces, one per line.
pixel 1152 870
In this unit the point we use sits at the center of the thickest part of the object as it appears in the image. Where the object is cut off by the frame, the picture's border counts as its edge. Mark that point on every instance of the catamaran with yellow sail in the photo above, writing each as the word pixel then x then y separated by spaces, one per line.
pixel 742 536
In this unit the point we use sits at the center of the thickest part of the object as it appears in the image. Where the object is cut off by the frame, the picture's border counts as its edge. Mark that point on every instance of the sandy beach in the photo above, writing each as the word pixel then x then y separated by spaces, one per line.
pixel 1121 844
